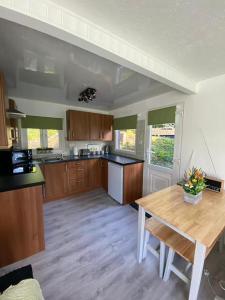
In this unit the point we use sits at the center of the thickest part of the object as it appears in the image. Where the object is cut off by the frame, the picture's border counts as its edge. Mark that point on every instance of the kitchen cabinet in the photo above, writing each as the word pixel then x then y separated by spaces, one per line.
pixel 94 173
pixel 95 123
pixel 104 174
pixel 107 128
pixel 89 126
pixel 64 179
pixel 4 141
pixel 55 181
pixel 132 182
pixel 14 132
pixel 77 125
pixel 76 176
pixel 21 224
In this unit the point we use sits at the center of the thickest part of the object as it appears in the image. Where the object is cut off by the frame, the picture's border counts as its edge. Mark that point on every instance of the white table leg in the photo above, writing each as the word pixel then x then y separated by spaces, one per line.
pixel 141 231
pixel 199 258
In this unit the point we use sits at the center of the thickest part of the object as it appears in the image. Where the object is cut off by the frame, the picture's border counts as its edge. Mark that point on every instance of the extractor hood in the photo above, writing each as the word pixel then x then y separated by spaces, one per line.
pixel 13 112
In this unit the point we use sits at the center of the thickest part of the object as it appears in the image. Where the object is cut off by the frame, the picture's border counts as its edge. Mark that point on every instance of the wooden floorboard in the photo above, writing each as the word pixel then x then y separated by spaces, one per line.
pixel 91 255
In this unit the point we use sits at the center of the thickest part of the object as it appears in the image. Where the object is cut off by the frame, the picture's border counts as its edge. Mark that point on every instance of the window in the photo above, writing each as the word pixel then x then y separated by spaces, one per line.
pixel 33 138
pixel 53 138
pixel 126 140
pixel 162 145
pixel 42 138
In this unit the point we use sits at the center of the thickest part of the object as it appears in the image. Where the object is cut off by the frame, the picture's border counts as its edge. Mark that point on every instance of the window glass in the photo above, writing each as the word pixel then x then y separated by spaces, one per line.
pixel 33 138
pixel 162 145
pixel 126 140
pixel 53 138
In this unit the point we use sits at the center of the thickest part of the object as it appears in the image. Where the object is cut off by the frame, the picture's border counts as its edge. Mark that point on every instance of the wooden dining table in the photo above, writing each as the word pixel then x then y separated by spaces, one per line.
pixel 202 223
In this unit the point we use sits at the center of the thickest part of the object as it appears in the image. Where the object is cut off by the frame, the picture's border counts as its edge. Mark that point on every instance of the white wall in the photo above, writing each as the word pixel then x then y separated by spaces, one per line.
pixel 203 112
pixel 48 109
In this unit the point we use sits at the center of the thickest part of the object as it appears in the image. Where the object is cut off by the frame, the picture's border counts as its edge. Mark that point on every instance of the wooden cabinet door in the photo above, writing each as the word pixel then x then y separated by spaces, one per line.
pixel 104 174
pixel 132 182
pixel 77 177
pixel 21 224
pixel 78 125
pixel 95 123
pixel 107 128
pixel 94 173
pixel 3 125
pixel 55 181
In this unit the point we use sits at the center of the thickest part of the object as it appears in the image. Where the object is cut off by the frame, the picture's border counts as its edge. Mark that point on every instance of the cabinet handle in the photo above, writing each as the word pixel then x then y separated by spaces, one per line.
pixel 66 168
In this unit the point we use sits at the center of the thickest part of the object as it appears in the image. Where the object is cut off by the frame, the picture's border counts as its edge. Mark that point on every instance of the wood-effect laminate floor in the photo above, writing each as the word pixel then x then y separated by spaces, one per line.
pixel 91 255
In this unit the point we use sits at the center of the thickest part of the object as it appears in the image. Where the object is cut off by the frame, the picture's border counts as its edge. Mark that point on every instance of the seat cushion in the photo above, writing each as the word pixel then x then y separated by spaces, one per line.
pixel 15 277
pixel 28 289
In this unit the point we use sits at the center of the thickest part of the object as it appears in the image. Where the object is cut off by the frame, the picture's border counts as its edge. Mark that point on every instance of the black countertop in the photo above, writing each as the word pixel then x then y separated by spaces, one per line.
pixel 118 159
pixel 19 181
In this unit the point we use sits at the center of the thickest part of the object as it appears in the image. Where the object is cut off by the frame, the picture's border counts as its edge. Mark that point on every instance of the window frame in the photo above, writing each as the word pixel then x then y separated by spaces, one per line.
pixel 122 151
pixel 43 138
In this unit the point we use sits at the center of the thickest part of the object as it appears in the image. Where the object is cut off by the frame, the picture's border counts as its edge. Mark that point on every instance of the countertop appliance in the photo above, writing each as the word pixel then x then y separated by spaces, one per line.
pixel 14 161
pixel 84 152
pixel 106 149
pixel 115 181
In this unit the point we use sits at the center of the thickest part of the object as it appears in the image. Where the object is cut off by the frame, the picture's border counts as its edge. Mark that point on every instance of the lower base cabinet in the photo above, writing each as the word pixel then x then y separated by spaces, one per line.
pixel 104 174
pixel 67 178
pixel 21 224
pixel 55 181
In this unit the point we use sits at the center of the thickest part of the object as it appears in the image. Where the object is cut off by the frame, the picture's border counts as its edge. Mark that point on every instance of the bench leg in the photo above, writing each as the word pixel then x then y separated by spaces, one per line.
pixel 169 262
pixel 162 259
pixel 146 239
pixel 141 231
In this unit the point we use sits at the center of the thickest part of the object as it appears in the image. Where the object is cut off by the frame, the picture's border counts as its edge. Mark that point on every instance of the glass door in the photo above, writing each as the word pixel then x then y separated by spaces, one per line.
pixel 163 148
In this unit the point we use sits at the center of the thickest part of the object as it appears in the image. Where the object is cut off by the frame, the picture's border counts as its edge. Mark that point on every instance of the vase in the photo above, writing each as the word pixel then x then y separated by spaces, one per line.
pixel 193 199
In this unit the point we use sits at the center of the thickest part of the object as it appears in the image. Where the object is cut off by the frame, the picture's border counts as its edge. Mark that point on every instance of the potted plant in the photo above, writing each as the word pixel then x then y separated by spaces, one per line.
pixel 193 185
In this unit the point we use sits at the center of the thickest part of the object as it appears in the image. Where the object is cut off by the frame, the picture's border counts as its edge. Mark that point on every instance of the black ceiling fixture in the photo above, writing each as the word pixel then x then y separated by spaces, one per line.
pixel 88 95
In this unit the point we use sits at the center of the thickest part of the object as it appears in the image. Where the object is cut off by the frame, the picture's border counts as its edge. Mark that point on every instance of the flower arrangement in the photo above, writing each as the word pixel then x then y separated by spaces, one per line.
pixel 194 181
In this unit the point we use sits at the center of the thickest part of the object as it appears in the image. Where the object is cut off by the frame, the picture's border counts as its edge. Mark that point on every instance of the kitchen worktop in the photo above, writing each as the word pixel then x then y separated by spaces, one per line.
pixel 118 159
pixel 19 181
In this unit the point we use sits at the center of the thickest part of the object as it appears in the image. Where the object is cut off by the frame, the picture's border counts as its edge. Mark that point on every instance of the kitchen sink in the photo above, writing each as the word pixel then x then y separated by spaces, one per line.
pixel 53 159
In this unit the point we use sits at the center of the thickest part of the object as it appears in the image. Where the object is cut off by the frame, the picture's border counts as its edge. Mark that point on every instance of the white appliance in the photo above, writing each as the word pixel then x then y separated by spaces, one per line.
pixel 115 181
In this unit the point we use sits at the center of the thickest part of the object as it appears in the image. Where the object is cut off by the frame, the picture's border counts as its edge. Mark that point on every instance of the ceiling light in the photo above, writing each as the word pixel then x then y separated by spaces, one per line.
pixel 87 95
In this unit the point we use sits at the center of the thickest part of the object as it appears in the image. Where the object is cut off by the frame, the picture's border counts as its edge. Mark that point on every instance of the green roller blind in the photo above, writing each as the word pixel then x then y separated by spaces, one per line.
pixel 162 116
pixel 42 122
pixel 129 122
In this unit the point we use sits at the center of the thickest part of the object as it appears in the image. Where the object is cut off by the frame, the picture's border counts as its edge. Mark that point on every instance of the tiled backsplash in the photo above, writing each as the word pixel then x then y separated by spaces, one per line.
pixel 83 145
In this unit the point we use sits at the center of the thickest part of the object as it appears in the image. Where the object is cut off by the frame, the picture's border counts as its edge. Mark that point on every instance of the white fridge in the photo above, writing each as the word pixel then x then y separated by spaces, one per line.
pixel 115 181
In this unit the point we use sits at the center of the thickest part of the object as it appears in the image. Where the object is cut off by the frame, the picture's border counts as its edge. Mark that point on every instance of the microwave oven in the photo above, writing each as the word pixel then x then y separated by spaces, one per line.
pixel 14 161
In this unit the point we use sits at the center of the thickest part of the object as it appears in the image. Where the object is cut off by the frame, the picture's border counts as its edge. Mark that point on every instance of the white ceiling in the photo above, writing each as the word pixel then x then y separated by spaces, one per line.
pixel 188 35
pixel 41 67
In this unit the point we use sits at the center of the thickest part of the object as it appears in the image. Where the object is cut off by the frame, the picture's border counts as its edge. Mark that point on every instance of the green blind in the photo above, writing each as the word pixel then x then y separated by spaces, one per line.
pixel 42 122
pixel 162 116
pixel 129 122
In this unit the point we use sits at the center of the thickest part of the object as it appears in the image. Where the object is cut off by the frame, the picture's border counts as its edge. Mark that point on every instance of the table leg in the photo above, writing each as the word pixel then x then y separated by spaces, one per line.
pixel 141 231
pixel 199 258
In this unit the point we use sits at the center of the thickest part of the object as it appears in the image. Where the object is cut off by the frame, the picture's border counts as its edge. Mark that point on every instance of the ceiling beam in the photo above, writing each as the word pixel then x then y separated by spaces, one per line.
pixel 61 23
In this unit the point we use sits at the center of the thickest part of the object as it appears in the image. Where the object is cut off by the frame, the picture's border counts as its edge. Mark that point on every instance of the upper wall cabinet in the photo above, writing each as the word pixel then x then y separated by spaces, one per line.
pixel 107 128
pixel 88 126
pixel 77 125
pixel 4 126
